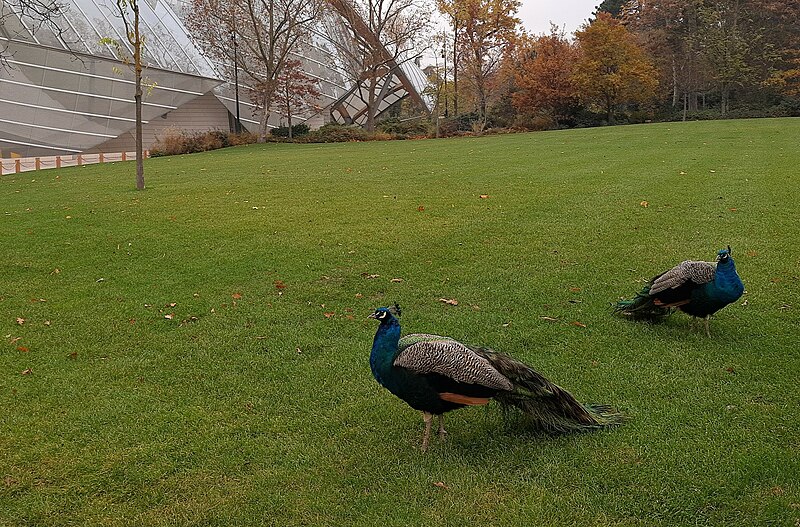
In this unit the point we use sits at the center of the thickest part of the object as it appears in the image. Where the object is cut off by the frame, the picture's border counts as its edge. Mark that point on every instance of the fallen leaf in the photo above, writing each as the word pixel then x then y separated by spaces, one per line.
pixel 132 321
pixel 196 295
pixel 23 349
pixel 172 304
pixel 777 491
pixel 169 316
pixel 713 171
pixel 449 301
pixel 15 339
pixel 236 296
pixel 329 314
pixel 396 280
pixel 729 369
pixel 441 484
pixel 350 317
pixel 279 284
pixel 20 320
pixel 575 289
pixel 576 323
pixel 370 276
pixel 550 319
pixel 47 323
pixel 420 209
pixel 484 196
pixel 682 173
pixel 644 204
pixel 733 209
pixel 148 306
pixel 100 280
pixel 56 271
pixel 27 371
pixel 744 303
pixel 73 355
pixel 298 351
pixel 359 295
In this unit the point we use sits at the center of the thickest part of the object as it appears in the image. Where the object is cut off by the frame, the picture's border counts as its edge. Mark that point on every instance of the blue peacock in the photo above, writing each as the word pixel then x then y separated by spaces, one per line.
pixel 435 374
pixel 699 289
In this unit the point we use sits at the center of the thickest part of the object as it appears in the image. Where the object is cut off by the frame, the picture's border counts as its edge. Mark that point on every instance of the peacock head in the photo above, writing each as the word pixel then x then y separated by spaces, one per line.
pixel 385 314
pixel 724 254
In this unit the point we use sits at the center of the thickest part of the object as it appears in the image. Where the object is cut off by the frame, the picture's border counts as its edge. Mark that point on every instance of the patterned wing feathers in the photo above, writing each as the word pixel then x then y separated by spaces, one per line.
pixel 696 272
pixel 445 356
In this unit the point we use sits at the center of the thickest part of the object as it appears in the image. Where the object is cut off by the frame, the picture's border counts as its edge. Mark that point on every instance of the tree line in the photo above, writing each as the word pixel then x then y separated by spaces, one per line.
pixel 633 61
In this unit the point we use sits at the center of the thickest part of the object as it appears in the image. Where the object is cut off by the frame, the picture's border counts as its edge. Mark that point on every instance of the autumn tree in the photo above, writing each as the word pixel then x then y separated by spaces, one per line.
pixel 487 29
pixel 670 30
pixel 543 70
pixel 297 92
pixel 612 7
pixel 717 47
pixel 383 34
pixel 781 18
pixel 265 32
pixel 612 69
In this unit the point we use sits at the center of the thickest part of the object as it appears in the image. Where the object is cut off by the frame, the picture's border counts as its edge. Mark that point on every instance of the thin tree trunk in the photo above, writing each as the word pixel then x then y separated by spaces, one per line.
pixel 455 68
pixel 675 94
pixel 137 64
pixel 289 113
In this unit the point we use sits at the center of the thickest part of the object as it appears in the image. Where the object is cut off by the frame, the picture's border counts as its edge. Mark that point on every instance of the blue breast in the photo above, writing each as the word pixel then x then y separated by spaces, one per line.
pixel 726 288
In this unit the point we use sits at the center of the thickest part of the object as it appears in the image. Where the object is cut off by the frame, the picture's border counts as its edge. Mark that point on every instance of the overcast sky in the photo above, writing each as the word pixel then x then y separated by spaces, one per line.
pixel 536 15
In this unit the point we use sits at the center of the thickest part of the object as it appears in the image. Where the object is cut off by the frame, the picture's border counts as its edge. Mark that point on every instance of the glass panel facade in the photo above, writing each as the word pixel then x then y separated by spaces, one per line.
pixel 74 93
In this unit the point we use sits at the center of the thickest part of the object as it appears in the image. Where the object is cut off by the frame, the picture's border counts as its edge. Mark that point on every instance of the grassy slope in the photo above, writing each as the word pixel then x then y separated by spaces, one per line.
pixel 131 418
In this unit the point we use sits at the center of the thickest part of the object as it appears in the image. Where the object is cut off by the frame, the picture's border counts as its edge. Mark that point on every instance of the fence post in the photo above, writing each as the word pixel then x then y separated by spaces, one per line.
pixel 100 158
pixel 37 163
pixel 80 160
pixel 58 161
pixel 17 166
pixel 124 156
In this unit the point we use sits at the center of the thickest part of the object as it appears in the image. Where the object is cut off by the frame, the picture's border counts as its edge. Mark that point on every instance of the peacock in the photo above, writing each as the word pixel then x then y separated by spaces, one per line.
pixel 435 374
pixel 699 289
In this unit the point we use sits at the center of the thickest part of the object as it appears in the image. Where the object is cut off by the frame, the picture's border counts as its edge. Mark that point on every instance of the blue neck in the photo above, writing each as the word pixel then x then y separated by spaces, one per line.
pixel 728 279
pixel 384 348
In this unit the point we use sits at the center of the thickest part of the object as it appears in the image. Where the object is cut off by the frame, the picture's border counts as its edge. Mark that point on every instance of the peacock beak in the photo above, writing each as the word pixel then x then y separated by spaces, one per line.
pixel 372 315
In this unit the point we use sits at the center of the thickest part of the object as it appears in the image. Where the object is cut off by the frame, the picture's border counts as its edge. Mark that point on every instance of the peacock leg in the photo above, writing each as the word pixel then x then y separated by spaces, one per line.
pixel 708 332
pixel 442 431
pixel 428 418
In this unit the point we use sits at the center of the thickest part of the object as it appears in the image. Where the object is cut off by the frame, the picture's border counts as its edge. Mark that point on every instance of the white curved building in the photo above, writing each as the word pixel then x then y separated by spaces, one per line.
pixel 63 90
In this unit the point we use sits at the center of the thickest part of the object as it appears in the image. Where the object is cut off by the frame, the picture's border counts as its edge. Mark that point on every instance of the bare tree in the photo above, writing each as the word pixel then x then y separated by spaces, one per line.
pixel 129 13
pixel 385 34
pixel 265 32
pixel 37 13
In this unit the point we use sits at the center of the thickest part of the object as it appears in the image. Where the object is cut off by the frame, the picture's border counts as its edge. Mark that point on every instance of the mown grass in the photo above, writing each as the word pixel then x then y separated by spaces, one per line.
pixel 250 406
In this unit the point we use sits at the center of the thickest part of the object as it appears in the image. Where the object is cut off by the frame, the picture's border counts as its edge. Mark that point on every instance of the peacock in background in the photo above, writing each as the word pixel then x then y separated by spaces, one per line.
pixel 699 289
pixel 436 374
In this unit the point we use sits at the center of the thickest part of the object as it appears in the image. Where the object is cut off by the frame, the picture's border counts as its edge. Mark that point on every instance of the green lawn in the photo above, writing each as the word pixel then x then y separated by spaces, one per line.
pixel 254 404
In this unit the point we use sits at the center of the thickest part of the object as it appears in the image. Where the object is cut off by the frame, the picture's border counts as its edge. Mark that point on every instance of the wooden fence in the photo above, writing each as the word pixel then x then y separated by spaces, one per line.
pixel 25 164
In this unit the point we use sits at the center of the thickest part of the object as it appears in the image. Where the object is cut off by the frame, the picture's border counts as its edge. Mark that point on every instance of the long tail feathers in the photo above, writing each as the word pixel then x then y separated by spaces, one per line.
pixel 548 407
pixel 642 307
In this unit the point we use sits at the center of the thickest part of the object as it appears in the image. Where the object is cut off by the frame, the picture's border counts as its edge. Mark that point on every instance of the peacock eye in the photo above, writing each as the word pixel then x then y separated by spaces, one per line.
pixel 382 315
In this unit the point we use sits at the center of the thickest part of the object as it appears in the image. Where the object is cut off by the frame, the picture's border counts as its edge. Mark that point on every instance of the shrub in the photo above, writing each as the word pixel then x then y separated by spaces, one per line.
pixel 336 133
pixel 403 129
pixel 298 130
pixel 175 142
